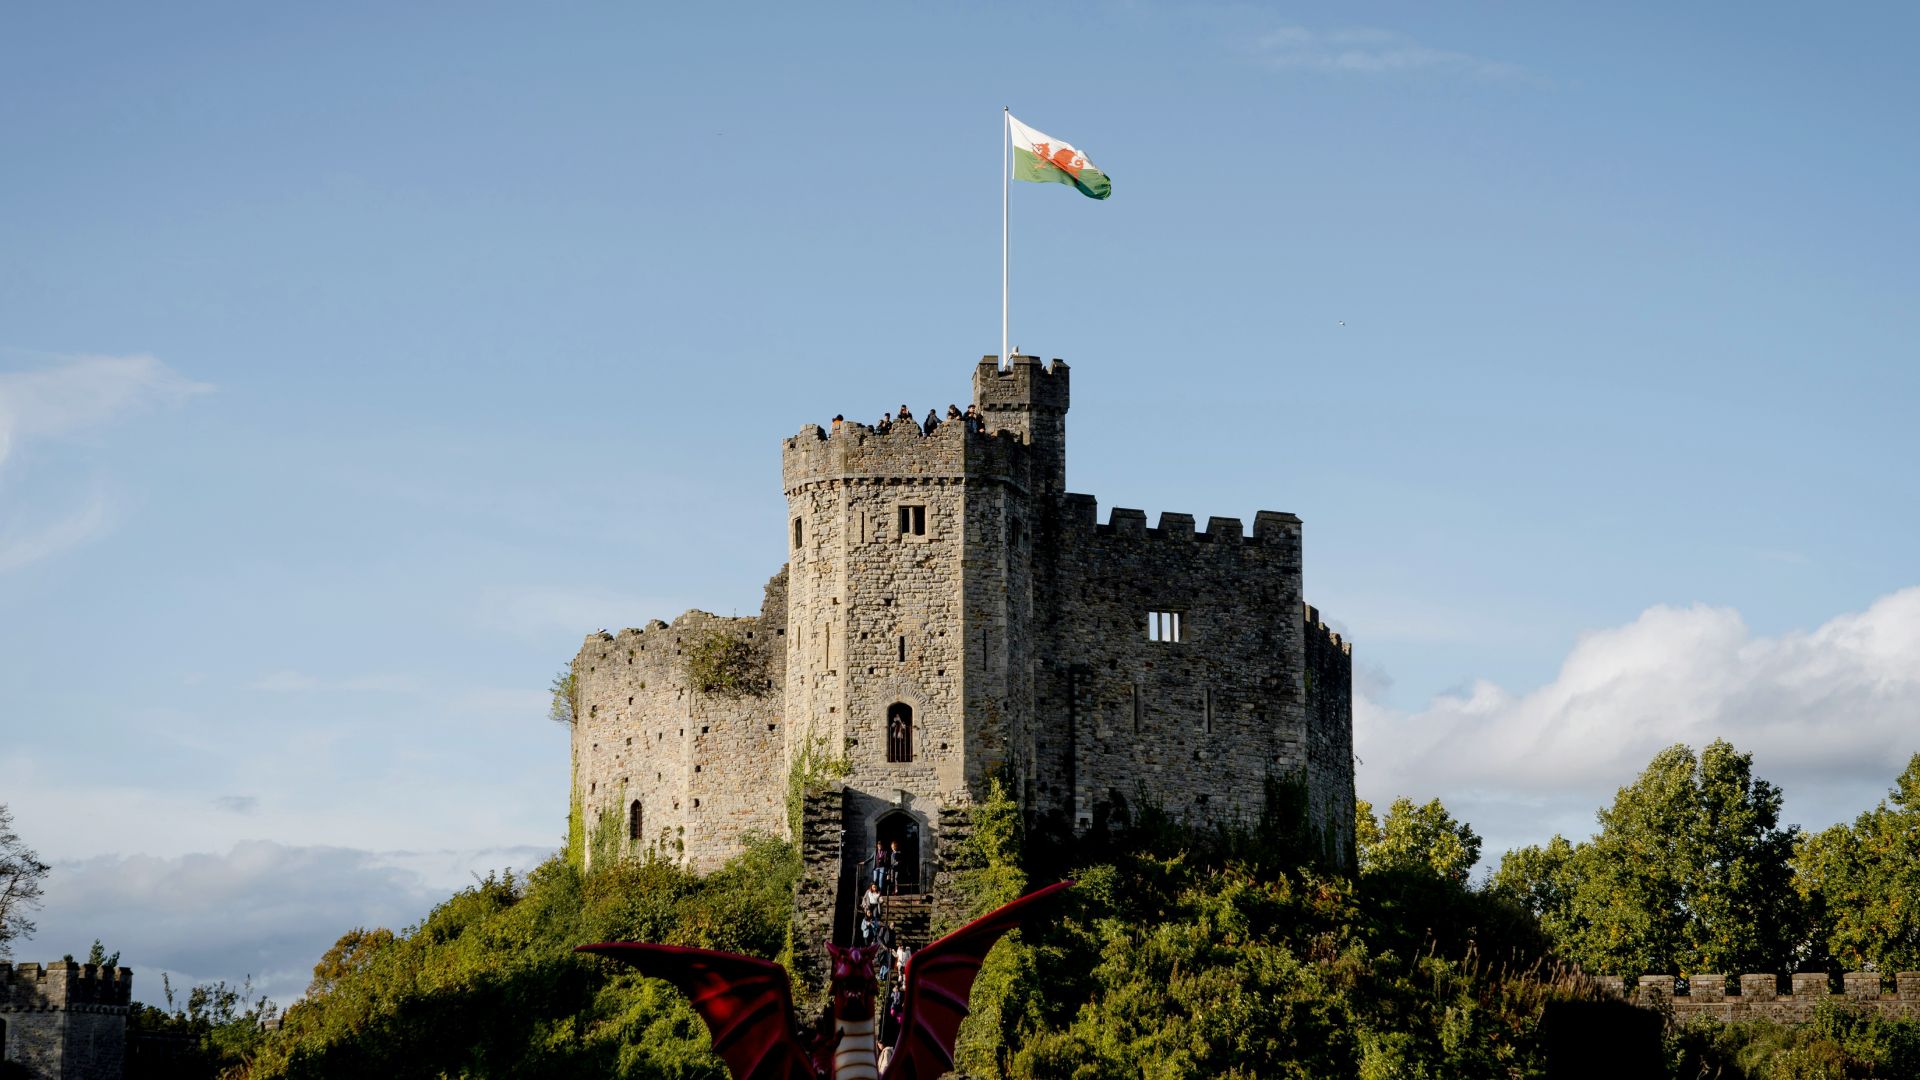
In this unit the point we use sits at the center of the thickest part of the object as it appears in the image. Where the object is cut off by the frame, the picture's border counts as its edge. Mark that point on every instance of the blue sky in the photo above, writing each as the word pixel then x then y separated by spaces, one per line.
pixel 355 362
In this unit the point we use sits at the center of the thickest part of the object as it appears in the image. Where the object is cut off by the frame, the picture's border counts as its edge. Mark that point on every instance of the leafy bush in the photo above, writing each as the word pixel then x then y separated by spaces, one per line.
pixel 725 664
pixel 488 984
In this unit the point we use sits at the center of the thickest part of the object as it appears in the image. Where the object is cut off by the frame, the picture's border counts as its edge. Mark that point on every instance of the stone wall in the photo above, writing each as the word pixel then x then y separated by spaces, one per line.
pixel 704 769
pixel 1791 1000
pixel 1197 725
pixel 818 914
pixel 1330 793
pixel 65 1021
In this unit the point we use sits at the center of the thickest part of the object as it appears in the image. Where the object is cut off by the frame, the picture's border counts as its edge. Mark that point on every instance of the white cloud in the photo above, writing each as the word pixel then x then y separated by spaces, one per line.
pixel 74 395
pixel 21 545
pixel 81 392
pixel 1831 715
pixel 262 909
pixel 1370 51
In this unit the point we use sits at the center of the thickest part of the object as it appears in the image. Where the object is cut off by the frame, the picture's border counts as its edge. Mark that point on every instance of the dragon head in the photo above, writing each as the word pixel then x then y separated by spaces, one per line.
pixel 853 984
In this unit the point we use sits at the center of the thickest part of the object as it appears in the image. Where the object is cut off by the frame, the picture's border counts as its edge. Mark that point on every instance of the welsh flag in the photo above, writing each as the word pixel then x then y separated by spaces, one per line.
pixel 1044 159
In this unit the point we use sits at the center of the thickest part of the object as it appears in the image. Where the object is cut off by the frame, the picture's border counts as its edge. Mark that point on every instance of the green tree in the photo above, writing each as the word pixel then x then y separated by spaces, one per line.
pixel 1690 872
pixel 562 697
pixel 1863 881
pixel 98 956
pixel 21 872
pixel 1415 837
pixel 353 952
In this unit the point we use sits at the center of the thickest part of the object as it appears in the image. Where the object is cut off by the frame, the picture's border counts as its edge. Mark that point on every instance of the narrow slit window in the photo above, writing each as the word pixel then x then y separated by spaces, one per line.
pixel 636 821
pixel 1163 626
pixel 913 520
pixel 903 648
pixel 799 533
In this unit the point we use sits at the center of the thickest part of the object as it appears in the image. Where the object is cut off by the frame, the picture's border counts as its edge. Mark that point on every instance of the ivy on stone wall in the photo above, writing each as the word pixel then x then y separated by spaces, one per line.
pixel 813 768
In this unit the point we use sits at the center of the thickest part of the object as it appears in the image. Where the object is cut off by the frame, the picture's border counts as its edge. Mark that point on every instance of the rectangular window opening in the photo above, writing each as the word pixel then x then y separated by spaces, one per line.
pixel 913 520
pixel 1163 626
pixel 903 648
pixel 799 532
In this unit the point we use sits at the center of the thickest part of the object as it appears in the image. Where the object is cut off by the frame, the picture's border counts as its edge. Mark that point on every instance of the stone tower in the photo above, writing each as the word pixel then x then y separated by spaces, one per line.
pixel 909 601
pixel 950 612
pixel 65 1021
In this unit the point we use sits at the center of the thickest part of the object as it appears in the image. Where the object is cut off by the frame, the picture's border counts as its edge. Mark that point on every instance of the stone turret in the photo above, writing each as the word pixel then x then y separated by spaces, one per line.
pixel 65 1021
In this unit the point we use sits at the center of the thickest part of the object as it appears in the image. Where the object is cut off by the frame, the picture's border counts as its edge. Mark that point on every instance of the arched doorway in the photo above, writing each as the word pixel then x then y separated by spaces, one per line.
pixel 900 831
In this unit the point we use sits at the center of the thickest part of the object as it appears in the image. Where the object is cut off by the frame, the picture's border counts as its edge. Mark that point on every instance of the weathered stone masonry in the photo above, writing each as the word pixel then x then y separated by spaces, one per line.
pixel 949 580
pixel 1762 997
pixel 65 1021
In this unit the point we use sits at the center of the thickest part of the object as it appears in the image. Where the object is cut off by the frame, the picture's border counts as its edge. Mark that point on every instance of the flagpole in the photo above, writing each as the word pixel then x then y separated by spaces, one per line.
pixel 1006 183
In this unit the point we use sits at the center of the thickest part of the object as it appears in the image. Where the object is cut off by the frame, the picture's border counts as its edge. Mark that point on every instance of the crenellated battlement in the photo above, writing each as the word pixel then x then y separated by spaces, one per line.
pixel 1326 634
pixel 63 985
pixel 1081 512
pixel 1786 999
pixel 1025 383
pixel 859 451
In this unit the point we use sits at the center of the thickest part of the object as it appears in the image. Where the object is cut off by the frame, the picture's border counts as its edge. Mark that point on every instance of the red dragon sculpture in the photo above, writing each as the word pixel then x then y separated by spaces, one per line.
pixel 748 1003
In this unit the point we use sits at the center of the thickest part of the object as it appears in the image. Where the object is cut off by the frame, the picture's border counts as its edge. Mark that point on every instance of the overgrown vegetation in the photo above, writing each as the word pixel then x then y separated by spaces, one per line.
pixel 815 767
pixel 488 984
pixel 217 1030
pixel 564 698
pixel 1240 951
pixel 725 664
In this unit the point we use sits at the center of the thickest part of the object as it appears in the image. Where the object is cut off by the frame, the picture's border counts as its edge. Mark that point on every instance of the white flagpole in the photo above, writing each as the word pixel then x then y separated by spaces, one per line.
pixel 1006 183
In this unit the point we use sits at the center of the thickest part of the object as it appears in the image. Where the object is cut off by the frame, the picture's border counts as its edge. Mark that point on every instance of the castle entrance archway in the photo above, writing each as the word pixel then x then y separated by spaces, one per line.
pixel 903 829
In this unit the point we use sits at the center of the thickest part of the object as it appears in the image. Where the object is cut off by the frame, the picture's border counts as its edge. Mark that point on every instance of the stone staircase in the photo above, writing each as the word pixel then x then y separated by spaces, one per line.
pixel 911 917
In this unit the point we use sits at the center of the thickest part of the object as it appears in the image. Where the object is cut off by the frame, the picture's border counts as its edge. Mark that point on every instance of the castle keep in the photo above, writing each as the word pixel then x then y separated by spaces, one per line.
pixel 950 612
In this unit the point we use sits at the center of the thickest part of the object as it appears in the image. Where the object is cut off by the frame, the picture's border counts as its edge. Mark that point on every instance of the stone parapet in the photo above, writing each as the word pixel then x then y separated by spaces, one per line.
pixel 63 984
pixel 1758 996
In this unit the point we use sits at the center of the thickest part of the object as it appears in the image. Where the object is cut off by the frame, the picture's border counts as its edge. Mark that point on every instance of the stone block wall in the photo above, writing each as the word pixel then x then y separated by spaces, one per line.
pixel 1330 791
pixel 1197 725
pixel 1753 997
pixel 65 1021
pixel 704 769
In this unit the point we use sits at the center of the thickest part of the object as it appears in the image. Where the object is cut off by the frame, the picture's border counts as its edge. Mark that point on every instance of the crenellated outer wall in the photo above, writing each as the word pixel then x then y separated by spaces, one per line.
pixel 65 1020
pixel 1789 1000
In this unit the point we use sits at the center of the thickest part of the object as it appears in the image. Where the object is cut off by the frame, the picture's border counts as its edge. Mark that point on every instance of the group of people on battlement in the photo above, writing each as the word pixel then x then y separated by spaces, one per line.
pixel 972 418
pixel 890 961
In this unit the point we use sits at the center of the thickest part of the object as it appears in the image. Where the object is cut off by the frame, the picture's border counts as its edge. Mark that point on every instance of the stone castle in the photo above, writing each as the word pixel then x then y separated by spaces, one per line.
pixel 65 1021
pixel 950 612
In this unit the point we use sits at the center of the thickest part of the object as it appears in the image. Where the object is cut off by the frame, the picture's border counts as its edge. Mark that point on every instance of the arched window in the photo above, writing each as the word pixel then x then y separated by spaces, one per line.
pixel 899 732
pixel 635 822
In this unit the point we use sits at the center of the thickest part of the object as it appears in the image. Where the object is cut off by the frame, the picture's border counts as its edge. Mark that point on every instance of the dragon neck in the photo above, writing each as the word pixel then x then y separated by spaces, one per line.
pixel 853 1053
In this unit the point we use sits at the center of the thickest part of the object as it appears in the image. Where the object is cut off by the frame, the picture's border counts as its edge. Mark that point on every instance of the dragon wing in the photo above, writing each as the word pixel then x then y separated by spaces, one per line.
pixel 747 1004
pixel 939 981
